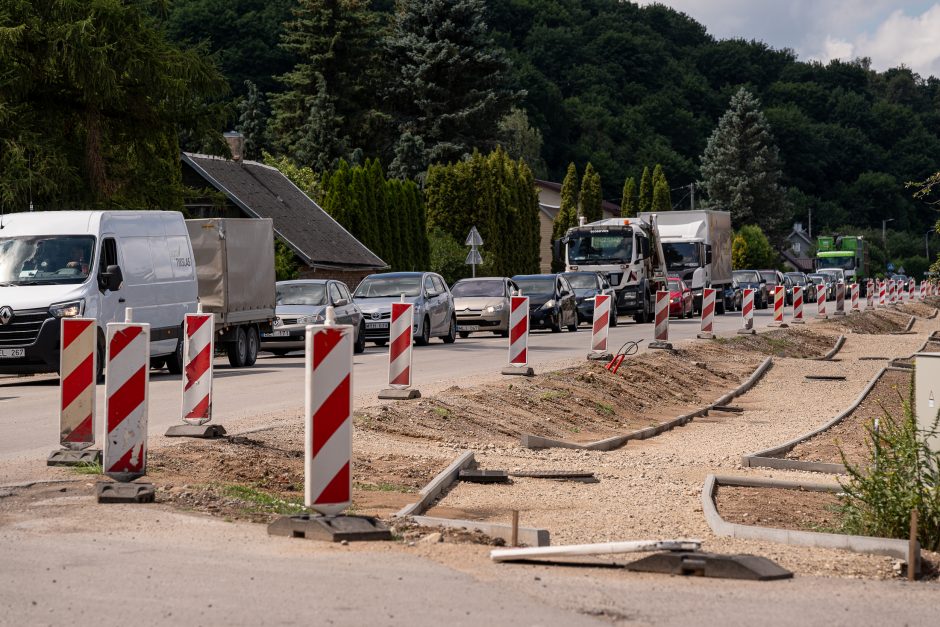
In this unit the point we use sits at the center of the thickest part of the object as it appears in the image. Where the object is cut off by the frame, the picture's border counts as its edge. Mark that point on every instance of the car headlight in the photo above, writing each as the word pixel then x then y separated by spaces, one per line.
pixel 674 300
pixel 315 319
pixel 494 308
pixel 70 309
pixel 549 304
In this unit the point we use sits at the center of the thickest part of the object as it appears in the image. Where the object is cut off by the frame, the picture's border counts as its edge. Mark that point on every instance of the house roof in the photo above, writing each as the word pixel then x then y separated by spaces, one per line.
pixel 612 209
pixel 801 235
pixel 261 191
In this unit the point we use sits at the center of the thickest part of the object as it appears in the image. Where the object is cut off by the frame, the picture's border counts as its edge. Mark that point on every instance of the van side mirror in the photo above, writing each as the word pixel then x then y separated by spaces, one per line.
pixel 644 248
pixel 708 253
pixel 111 279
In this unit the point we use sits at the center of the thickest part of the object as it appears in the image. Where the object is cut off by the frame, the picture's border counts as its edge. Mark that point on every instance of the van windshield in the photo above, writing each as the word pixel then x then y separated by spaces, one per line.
pixel 45 260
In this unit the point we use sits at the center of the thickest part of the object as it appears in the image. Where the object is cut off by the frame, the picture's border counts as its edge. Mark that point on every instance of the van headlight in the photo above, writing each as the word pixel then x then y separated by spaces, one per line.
pixel 71 309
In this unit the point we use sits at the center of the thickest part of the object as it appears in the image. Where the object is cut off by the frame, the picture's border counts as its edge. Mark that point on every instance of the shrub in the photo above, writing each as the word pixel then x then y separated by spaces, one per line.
pixel 902 475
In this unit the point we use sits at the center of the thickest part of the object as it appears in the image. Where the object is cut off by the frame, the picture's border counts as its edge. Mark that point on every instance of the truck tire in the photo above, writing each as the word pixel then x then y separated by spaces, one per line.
pixel 174 361
pixel 237 349
pixel 254 342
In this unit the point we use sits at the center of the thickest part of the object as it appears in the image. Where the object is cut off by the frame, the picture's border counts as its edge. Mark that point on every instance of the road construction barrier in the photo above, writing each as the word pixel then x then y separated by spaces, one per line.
pixel 198 351
pixel 923 290
pixel 892 292
pixel 821 301
pixel 125 443
pixel 708 313
pixel 854 288
pixel 400 345
pixel 77 368
pixel 601 327
pixel 661 330
pixel 780 293
pixel 881 293
pixel 870 294
pixel 798 304
pixel 840 298
pixel 747 311
pixel 911 289
pixel 328 406
pixel 518 331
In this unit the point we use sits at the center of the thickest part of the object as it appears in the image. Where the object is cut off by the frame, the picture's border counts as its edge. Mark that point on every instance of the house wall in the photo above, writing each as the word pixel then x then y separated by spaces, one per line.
pixel 545 245
pixel 351 278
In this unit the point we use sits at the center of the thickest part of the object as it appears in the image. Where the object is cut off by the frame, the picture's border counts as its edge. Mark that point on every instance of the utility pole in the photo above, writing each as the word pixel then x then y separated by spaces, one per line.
pixel 810 224
pixel 692 193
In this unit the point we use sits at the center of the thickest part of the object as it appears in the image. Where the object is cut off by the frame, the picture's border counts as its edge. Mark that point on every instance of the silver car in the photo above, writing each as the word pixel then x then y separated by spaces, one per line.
pixel 483 305
pixel 304 302
pixel 427 291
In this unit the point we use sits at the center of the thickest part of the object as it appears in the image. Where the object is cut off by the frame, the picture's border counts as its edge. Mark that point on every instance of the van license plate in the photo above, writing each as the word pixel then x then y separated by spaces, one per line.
pixel 376 325
pixel 12 353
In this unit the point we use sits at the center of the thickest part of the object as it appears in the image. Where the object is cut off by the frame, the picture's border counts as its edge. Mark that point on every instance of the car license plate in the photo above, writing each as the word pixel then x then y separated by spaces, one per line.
pixel 376 325
pixel 12 353
pixel 467 327
pixel 277 334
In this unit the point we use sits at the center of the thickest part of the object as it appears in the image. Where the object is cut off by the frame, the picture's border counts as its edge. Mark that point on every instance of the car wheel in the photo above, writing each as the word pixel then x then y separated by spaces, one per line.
pixel 451 332
pixel 574 326
pixel 380 342
pixel 464 335
pixel 253 342
pixel 503 334
pixel 360 345
pixel 613 317
pixel 556 327
pixel 278 352
pixel 238 349
pixel 425 338
pixel 174 362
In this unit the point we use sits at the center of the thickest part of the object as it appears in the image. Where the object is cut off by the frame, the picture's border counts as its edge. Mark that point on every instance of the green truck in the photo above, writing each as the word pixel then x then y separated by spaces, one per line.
pixel 847 253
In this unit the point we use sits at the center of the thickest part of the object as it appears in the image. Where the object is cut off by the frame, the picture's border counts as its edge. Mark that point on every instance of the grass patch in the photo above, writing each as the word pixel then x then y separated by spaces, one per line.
pixel 262 502
pixel 552 395
pixel 604 408
pixel 443 412
pixel 88 468
pixel 382 487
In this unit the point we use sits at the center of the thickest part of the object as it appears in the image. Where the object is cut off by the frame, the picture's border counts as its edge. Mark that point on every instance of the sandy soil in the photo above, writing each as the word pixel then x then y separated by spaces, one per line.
pixel 802 510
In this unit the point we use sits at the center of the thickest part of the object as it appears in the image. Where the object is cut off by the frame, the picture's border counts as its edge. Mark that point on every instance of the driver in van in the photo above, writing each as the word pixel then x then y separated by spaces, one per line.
pixel 77 257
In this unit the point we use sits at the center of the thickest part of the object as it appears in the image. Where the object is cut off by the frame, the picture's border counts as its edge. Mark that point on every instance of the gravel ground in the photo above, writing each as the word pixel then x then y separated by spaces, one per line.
pixel 650 489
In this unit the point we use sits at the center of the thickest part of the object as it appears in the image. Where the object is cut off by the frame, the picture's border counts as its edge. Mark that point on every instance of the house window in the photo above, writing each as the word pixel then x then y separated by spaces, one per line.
pixel 796 247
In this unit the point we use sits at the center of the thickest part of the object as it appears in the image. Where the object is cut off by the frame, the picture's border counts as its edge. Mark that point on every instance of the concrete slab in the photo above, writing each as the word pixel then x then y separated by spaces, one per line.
pixel 524 371
pixel 527 535
pixel 438 485
pixel 330 528
pixel 392 394
pixel 206 431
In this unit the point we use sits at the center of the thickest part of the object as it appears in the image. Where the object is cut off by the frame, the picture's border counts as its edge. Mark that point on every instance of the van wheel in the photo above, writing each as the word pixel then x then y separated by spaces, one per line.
pixel 253 343
pixel 360 345
pixel 238 349
pixel 174 362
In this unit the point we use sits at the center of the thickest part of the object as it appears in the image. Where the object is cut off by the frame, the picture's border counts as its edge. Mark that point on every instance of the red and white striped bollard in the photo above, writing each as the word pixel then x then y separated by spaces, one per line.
pixel 518 337
pixel 881 293
pixel 661 325
pixel 601 328
pixel 747 312
pixel 708 314
pixel 198 352
pixel 821 301
pixel 854 291
pixel 77 368
pixel 400 354
pixel 870 295
pixel 780 295
pixel 840 299
pixel 798 305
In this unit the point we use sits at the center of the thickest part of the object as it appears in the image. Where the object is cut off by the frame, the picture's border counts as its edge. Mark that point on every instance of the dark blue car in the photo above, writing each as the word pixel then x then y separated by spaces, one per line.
pixel 551 301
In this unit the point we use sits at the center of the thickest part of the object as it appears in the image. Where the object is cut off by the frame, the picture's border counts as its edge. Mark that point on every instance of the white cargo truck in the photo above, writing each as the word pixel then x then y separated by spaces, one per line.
pixel 235 267
pixel 697 249
pixel 94 264
pixel 628 251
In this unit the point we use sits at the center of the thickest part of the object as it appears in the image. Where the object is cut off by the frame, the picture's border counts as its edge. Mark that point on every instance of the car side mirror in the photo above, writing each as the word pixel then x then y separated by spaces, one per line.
pixel 708 253
pixel 111 279
pixel 340 302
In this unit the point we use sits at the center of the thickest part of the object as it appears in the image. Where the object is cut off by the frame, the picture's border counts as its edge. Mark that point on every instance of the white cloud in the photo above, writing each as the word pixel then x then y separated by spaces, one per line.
pixel 911 40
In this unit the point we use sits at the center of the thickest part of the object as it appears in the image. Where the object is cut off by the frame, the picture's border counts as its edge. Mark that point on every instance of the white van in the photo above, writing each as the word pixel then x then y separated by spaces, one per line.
pixel 93 264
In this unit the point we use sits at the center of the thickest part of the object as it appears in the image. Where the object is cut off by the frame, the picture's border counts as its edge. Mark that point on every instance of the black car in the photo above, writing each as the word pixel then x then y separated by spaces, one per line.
pixel 752 279
pixel 587 286
pixel 734 296
pixel 773 279
pixel 809 287
pixel 552 302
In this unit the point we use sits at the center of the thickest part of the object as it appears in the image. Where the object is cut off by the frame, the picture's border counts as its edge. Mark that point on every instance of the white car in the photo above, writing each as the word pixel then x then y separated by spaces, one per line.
pixel 304 302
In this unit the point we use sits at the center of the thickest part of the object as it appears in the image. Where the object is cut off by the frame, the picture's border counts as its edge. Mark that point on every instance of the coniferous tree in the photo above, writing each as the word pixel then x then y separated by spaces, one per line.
pixel 253 121
pixel 741 166
pixel 628 204
pixel 329 107
pixel 567 216
pixel 645 200
pixel 591 195
pixel 662 198
pixel 449 89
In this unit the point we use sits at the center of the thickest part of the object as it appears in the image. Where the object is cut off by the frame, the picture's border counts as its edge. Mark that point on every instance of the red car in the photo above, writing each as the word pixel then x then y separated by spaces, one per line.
pixel 680 299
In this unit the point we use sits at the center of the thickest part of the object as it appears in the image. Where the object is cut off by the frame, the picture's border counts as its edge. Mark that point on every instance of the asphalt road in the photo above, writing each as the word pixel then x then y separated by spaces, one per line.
pixel 28 406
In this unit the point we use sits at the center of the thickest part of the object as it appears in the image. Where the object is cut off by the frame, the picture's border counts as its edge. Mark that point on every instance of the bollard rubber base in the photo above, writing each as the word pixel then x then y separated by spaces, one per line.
pixel 751 567
pixel 605 356
pixel 666 346
pixel 706 336
pixel 746 332
pixel 484 476
pixel 330 528
pixel 392 394
pixel 120 492
pixel 778 325
pixel 822 317
pixel 525 371
pixel 209 432
pixel 67 457
pixel 797 322
pixel 839 313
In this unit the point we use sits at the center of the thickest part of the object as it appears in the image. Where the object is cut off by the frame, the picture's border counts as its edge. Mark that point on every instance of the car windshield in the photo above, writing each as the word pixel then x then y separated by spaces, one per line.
pixel 797 278
pixel 746 276
pixel 582 281
pixel 528 287
pixel 673 286
pixel 389 287
pixel 301 294
pixel 817 278
pixel 478 289
pixel 32 260
pixel 588 248
pixel 770 276
pixel 680 255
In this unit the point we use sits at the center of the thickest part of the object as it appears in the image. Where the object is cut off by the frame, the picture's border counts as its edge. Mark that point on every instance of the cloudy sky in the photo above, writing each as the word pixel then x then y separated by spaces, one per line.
pixel 890 32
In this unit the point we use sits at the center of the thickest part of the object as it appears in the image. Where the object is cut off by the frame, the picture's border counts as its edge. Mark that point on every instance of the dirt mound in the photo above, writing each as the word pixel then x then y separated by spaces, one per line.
pixel 579 404
pixel 921 310
pixel 872 322
pixel 791 342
